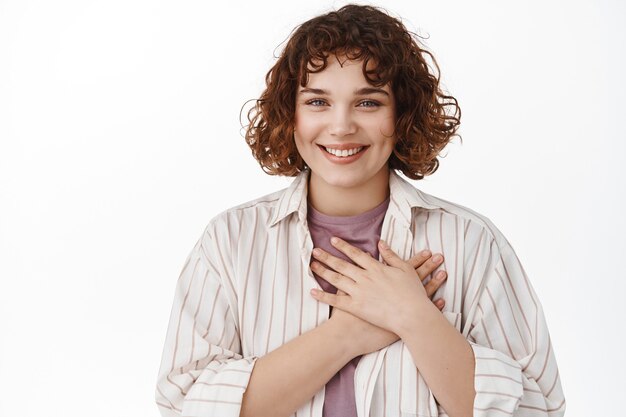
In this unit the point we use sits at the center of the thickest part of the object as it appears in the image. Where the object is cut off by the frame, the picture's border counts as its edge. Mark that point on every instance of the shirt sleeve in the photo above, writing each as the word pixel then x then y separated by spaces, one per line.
pixel 202 371
pixel 516 372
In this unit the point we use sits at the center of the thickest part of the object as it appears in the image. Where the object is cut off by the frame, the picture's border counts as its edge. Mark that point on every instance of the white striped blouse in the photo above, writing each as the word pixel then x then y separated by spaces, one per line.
pixel 244 291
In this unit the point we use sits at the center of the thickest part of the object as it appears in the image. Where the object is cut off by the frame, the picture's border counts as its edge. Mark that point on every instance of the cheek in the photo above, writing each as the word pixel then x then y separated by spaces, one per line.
pixel 381 130
pixel 387 125
pixel 307 129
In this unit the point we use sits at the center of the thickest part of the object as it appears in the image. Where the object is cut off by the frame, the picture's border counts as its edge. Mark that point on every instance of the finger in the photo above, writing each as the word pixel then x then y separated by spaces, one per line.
pixel 434 284
pixel 362 259
pixel 391 257
pixel 429 266
pixel 339 301
pixel 418 259
pixel 341 282
pixel 440 303
pixel 339 265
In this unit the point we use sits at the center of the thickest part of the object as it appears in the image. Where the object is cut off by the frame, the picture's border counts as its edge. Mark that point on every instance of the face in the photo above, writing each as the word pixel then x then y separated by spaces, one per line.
pixel 344 125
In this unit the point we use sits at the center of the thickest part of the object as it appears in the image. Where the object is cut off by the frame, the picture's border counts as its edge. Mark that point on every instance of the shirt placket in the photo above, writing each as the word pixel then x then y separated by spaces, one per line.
pixel 396 232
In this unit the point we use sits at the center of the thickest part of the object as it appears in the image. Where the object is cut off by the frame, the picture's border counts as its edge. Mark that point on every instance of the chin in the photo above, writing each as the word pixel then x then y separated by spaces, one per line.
pixel 344 181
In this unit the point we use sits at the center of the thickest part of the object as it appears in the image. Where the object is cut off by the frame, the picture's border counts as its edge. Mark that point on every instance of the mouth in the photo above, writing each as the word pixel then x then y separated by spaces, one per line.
pixel 345 153
pixel 343 157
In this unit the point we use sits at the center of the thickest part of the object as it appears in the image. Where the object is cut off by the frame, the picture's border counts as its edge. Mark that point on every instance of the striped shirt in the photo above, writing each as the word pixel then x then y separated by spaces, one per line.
pixel 244 291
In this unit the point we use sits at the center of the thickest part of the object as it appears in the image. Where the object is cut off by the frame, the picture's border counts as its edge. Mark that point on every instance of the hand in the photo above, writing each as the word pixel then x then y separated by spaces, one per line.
pixel 367 337
pixel 424 265
pixel 380 294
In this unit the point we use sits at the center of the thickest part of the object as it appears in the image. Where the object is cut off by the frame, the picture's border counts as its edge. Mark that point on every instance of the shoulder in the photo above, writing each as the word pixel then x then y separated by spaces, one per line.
pixel 477 228
pixel 258 210
pixel 236 224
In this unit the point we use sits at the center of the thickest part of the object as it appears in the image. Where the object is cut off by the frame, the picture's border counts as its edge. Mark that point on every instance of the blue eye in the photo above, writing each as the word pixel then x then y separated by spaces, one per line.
pixel 373 103
pixel 314 101
pixel 370 103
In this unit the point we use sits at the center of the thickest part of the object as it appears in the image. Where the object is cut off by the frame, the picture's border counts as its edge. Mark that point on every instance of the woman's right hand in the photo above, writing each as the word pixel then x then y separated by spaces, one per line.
pixel 366 337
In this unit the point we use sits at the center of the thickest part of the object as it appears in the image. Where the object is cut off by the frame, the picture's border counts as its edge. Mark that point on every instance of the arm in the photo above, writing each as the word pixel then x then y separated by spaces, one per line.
pixel 516 369
pixel 276 374
pixel 510 365
pixel 446 360
pixel 282 381
pixel 202 369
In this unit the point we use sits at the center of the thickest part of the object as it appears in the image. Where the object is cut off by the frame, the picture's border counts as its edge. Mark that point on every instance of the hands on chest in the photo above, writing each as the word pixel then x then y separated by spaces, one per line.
pixel 373 297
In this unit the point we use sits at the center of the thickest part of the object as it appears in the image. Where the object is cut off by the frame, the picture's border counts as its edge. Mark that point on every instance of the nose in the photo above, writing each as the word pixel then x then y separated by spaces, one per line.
pixel 342 123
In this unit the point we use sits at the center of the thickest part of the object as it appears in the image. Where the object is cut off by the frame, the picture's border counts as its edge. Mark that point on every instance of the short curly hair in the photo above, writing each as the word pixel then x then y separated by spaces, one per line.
pixel 422 127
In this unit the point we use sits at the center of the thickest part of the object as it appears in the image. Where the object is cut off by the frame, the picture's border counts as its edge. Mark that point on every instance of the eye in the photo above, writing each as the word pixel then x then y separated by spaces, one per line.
pixel 371 103
pixel 317 100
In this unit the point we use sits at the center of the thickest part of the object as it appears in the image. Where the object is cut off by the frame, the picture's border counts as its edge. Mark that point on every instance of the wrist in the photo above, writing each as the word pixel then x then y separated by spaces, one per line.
pixel 415 317
pixel 342 338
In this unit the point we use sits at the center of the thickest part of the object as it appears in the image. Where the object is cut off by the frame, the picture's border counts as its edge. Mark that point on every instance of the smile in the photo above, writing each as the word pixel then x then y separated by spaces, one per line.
pixel 345 156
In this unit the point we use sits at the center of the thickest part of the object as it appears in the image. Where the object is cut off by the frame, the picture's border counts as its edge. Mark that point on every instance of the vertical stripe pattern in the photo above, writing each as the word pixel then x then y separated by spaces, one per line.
pixel 244 289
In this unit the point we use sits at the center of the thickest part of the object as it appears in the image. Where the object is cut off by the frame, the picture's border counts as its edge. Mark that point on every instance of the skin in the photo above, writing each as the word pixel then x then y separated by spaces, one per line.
pixel 338 117
pixel 376 304
pixel 271 388
pixel 339 106
pixel 341 117
pixel 390 297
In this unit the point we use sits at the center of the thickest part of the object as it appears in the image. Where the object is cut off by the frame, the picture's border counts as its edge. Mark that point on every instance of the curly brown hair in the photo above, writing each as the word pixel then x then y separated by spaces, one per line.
pixel 422 127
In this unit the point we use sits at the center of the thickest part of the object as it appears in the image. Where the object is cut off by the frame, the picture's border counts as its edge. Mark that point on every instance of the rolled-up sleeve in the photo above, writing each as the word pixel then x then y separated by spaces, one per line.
pixel 202 371
pixel 516 372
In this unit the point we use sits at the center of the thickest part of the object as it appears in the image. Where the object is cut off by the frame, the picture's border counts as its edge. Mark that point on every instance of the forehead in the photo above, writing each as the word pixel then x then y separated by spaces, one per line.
pixel 341 59
pixel 342 71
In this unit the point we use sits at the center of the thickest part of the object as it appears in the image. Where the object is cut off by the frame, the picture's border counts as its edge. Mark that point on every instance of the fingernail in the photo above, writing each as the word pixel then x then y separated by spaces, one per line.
pixel 384 245
pixel 426 252
pixel 437 258
pixel 441 275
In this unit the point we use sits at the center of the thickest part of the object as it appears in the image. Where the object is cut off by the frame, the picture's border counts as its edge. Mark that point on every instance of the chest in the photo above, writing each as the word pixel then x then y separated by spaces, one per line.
pixel 275 305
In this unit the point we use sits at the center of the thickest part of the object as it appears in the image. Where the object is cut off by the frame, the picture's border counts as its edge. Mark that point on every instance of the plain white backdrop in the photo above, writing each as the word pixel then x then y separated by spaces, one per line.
pixel 120 138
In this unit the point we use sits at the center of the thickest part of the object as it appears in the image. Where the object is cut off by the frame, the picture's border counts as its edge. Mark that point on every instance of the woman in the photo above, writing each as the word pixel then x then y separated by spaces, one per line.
pixel 350 102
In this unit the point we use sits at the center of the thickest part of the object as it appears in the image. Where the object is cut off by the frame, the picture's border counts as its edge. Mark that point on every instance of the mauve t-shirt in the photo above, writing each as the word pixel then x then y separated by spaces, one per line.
pixel 362 231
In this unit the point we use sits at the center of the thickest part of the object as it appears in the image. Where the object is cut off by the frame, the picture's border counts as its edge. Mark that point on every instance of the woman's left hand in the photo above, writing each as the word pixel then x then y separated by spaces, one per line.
pixel 383 295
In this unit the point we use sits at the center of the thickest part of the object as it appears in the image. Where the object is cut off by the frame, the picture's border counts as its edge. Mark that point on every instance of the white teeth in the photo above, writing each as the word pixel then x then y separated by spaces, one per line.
pixel 344 153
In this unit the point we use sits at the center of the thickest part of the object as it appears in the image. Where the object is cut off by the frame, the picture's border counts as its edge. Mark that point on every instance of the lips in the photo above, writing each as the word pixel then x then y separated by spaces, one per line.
pixel 344 159
pixel 346 147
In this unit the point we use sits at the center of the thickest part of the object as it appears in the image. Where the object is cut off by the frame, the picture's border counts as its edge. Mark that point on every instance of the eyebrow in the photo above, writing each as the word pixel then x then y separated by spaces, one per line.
pixel 360 92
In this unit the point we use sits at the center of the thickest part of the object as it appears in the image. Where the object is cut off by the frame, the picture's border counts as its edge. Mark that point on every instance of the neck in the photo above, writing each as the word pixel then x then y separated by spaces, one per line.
pixel 348 201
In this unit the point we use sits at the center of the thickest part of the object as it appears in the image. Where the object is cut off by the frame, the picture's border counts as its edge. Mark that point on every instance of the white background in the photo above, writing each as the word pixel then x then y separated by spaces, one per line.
pixel 120 138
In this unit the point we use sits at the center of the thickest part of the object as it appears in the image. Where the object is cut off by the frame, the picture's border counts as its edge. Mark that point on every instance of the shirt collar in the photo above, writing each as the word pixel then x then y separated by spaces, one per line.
pixel 404 196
